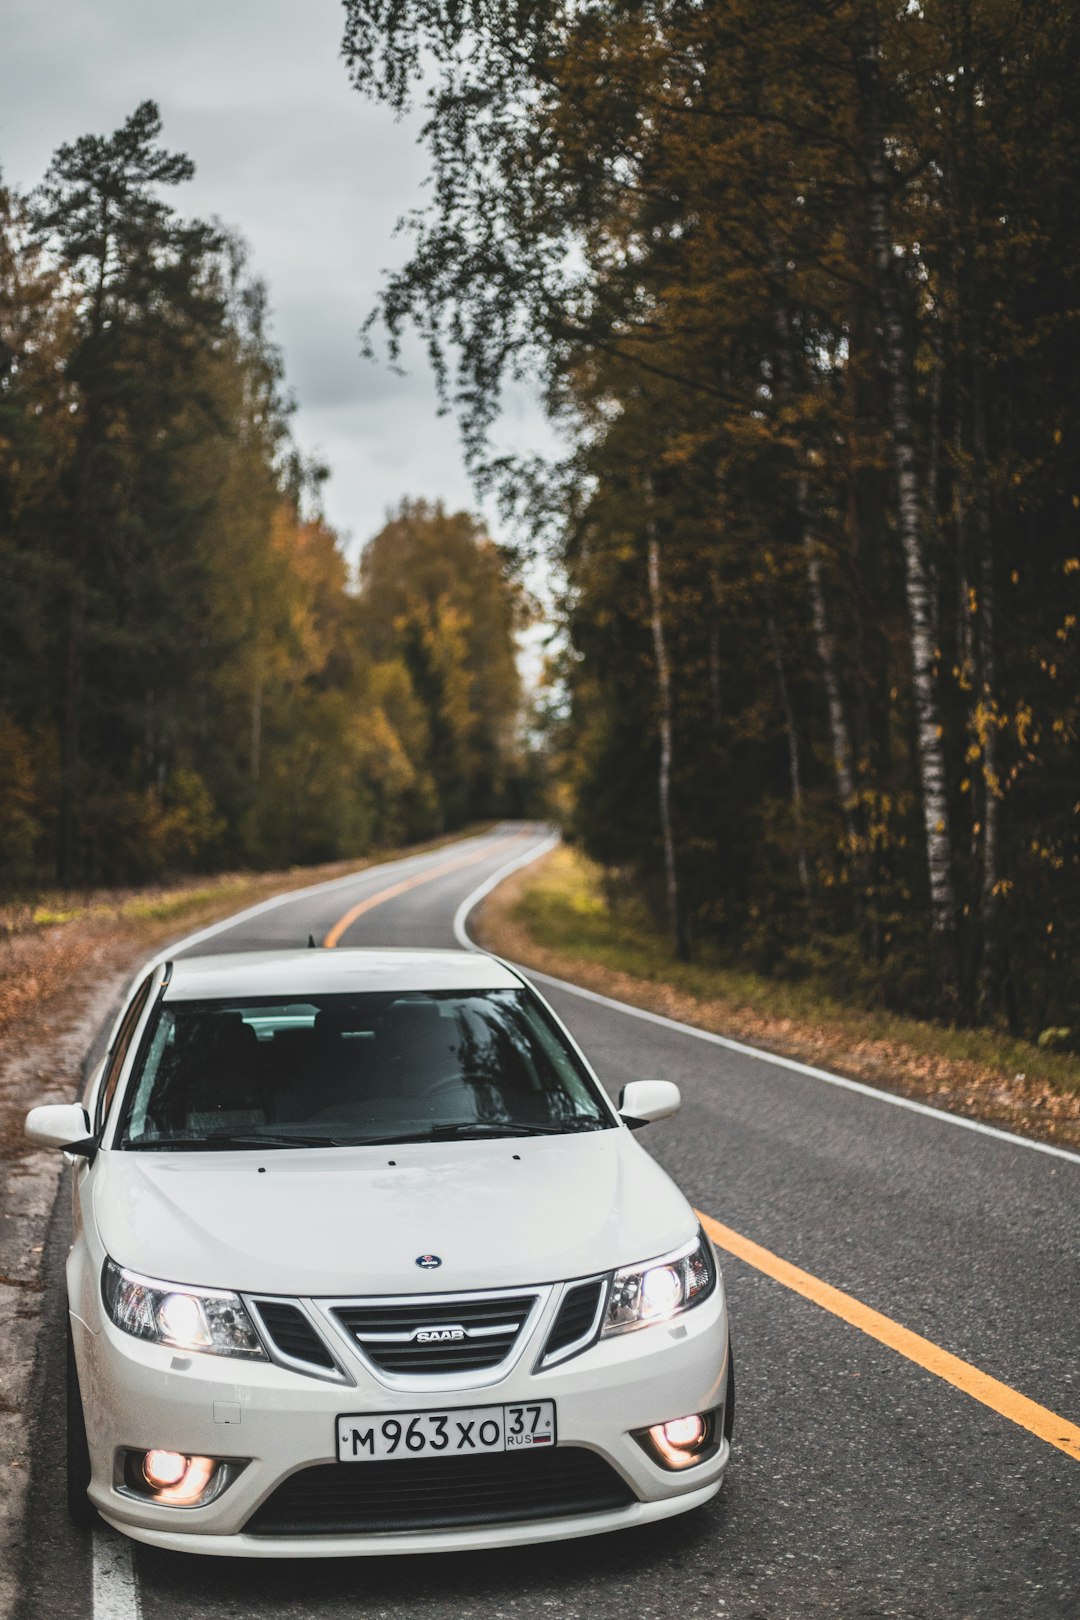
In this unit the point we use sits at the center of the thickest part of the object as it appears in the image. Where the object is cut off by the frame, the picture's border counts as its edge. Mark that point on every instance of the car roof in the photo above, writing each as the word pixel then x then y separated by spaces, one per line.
pixel 296 973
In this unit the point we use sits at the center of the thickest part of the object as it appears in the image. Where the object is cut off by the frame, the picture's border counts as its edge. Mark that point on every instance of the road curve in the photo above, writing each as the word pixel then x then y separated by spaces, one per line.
pixel 861 1483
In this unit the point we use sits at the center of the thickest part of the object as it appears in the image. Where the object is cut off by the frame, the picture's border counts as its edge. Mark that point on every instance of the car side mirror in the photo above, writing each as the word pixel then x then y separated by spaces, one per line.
pixel 61 1125
pixel 643 1101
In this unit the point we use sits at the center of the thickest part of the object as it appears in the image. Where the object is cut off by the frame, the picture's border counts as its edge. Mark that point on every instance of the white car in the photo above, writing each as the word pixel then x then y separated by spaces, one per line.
pixel 364 1261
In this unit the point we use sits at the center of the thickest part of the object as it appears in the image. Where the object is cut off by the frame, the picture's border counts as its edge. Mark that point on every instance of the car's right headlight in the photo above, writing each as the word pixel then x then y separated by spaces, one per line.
pixel 210 1320
pixel 659 1289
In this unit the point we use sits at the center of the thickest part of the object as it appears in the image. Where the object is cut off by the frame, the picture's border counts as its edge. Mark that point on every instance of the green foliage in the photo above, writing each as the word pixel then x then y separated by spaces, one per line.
pixel 433 593
pixel 190 675
pixel 800 284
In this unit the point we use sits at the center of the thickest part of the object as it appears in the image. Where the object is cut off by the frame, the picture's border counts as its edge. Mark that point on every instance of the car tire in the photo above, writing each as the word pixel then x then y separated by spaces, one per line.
pixel 729 1395
pixel 81 1510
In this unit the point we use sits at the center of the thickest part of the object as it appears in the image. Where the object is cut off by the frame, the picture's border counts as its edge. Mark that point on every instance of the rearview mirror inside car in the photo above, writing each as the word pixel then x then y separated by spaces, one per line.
pixel 643 1101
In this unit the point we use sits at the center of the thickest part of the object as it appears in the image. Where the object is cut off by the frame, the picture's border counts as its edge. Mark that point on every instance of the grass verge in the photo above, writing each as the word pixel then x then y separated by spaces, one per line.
pixel 51 943
pixel 555 917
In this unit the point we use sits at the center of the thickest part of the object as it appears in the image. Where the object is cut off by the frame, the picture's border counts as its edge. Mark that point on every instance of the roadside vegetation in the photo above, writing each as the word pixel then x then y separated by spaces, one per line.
pixel 193 676
pixel 570 918
pixel 800 284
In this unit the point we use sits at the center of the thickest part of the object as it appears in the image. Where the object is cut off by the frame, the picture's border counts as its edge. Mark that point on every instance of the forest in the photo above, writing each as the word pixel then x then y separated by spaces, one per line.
pixel 192 674
pixel 798 282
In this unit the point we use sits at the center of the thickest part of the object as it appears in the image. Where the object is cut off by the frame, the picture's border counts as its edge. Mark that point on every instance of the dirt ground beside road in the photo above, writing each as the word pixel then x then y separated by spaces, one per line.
pixel 41 1060
pixel 65 962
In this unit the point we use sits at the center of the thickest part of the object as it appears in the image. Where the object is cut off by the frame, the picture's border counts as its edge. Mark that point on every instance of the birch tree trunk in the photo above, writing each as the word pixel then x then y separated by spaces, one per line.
pixel 794 763
pixel 929 724
pixel 255 762
pixel 716 706
pixel 981 652
pixel 824 640
pixel 70 735
pixel 933 476
pixel 88 518
pixel 988 973
pixel 676 921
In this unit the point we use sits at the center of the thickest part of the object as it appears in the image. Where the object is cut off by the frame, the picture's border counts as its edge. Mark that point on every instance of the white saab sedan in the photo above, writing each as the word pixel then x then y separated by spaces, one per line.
pixel 364 1261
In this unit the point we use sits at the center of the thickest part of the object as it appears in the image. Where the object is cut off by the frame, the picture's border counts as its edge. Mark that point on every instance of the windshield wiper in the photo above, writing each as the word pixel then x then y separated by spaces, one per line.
pixel 190 1144
pixel 458 1129
pixel 477 1128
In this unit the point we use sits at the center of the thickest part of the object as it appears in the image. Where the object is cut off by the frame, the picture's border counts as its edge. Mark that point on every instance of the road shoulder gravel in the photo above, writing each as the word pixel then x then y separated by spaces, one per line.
pixel 47 1065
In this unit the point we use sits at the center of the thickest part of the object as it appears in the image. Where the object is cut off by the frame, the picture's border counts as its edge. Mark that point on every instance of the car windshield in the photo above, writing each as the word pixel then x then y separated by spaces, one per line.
pixel 341 1069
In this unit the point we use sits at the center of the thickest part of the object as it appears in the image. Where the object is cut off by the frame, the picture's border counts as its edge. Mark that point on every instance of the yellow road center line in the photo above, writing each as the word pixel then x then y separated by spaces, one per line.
pixel 1000 1398
pixel 431 872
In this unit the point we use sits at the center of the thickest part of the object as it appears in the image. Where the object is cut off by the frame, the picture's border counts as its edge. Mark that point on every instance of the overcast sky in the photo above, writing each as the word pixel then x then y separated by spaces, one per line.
pixel 312 175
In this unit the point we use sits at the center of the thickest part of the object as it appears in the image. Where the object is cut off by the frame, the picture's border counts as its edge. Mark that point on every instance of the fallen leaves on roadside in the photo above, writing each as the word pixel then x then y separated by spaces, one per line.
pixel 959 1085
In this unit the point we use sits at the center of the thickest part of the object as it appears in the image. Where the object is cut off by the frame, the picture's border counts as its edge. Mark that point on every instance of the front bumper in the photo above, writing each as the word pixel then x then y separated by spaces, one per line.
pixel 138 1395
pixel 473 1539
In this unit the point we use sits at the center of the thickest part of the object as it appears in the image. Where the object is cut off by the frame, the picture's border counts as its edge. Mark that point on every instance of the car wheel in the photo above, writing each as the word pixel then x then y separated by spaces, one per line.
pixel 80 1508
pixel 729 1394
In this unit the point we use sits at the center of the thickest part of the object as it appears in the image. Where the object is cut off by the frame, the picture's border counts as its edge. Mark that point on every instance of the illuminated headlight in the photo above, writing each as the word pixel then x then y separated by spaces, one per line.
pixel 210 1320
pixel 662 1288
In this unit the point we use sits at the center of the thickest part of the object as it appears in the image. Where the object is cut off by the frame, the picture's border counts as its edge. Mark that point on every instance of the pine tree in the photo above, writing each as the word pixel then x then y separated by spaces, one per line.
pixel 144 312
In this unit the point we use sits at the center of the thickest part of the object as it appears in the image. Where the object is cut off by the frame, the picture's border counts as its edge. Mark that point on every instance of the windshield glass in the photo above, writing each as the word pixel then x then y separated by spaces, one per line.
pixel 343 1069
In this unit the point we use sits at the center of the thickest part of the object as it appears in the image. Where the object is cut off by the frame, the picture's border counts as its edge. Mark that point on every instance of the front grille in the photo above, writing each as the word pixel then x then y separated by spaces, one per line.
pixel 292 1333
pixel 436 1493
pixel 576 1318
pixel 387 1332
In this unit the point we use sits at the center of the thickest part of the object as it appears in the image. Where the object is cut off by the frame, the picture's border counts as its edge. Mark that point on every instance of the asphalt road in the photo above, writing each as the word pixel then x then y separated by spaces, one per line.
pixel 860 1485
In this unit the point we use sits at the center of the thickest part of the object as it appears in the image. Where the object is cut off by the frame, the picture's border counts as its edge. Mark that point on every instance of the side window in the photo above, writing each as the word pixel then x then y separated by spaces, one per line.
pixel 120 1051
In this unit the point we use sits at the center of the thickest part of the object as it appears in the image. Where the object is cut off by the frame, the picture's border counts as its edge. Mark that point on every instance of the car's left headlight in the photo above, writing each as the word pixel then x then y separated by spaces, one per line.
pixel 660 1289
pixel 210 1320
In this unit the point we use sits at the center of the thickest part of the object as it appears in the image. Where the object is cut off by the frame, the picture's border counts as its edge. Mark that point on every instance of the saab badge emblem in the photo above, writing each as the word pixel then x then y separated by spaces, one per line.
pixel 428 1262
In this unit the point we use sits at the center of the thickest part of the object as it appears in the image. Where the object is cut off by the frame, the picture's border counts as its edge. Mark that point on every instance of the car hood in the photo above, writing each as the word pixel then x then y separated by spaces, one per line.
pixel 328 1221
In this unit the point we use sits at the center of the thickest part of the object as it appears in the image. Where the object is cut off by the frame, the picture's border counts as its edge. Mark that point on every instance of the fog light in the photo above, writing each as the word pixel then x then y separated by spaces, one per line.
pixel 176 1480
pixel 681 1442
pixel 164 1468
pixel 685 1433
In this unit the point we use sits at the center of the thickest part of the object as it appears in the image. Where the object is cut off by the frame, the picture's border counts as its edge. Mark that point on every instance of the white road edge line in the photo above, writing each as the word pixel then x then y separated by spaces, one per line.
pixel 461 934
pixel 114 1592
pixel 471 901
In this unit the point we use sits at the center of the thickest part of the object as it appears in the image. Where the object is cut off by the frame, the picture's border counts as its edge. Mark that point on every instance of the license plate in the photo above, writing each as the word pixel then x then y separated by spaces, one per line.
pixel 462 1431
